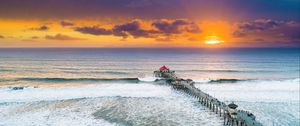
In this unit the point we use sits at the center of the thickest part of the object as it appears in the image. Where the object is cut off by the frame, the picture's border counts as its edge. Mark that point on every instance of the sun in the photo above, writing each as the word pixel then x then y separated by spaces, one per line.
pixel 212 40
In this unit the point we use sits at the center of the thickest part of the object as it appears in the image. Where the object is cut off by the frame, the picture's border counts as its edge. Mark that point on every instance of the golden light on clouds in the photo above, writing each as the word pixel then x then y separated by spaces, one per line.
pixel 166 33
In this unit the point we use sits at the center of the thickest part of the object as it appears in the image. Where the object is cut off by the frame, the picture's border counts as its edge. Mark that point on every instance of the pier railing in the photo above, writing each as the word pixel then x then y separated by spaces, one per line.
pixel 231 116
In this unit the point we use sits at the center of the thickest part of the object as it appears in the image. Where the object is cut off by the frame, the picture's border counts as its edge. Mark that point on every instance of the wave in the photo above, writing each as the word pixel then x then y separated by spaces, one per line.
pixel 57 80
pixel 223 80
pixel 148 79
pixel 5 70
pixel 132 80
pixel 226 80
pixel 111 72
pixel 239 71
pixel 98 72
pixel 210 70
pixel 206 80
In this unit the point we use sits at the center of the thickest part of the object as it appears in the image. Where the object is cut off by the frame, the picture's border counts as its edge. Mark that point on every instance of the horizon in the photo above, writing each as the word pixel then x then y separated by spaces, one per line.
pixel 150 48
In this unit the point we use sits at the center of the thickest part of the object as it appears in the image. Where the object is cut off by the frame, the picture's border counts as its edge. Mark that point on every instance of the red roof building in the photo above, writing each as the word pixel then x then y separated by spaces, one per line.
pixel 164 68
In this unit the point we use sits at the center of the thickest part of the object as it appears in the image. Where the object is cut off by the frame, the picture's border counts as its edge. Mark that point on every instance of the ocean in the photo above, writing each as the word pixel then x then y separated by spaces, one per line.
pixel 116 87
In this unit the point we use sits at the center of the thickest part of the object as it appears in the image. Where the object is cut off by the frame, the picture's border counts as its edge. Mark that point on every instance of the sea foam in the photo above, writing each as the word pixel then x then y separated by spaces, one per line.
pixel 90 91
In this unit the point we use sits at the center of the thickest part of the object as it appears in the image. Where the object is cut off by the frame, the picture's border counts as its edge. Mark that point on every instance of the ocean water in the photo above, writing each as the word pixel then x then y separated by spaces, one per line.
pixel 116 86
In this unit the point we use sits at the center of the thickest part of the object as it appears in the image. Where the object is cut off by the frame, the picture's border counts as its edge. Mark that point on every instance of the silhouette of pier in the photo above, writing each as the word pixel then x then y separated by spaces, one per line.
pixel 231 115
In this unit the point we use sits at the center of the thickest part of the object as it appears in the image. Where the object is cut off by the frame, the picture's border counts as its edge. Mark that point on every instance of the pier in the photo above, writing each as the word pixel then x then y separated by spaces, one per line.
pixel 231 115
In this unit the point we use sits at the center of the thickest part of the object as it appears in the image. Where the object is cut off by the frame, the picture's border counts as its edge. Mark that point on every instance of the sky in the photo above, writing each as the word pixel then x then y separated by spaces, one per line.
pixel 149 23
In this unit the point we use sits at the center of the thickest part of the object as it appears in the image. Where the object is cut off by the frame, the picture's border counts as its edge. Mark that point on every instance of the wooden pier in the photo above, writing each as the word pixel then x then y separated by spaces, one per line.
pixel 231 115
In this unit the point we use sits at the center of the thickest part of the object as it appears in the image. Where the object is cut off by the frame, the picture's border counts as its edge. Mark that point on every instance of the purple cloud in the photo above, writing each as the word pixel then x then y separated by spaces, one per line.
pixel 160 29
pixel 94 30
pixel 176 26
pixel 66 23
pixel 41 28
pixel 61 37
pixel 134 29
pixel 288 31
pixel 259 25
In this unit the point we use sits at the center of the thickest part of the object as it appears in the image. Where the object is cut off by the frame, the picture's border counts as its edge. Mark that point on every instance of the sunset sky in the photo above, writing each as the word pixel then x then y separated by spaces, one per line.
pixel 149 23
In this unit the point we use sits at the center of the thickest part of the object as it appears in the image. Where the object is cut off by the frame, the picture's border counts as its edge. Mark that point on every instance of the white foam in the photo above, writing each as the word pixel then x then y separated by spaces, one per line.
pixel 264 91
pixel 61 93
pixel 203 80
pixel 45 114
pixel 164 107
pixel 148 79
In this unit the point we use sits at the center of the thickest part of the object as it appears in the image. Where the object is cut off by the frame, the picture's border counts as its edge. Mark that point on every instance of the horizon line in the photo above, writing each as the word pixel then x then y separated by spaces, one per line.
pixel 150 47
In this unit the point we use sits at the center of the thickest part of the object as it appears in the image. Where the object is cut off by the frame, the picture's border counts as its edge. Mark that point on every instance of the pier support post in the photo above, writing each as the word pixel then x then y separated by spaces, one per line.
pixel 207 105
pixel 227 121
pixel 224 122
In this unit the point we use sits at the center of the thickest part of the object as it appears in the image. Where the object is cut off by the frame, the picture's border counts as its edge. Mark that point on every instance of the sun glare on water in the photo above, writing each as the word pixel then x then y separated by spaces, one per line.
pixel 213 40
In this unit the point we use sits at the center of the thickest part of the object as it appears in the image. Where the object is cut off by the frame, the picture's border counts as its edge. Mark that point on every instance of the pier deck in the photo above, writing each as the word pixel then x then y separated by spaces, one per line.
pixel 232 116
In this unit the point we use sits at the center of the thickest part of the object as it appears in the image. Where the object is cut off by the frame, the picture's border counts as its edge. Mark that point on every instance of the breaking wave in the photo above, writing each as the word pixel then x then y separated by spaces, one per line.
pixel 226 80
pixel 80 79
pixel 239 71
pixel 223 80
pixel 206 80
pixel 57 80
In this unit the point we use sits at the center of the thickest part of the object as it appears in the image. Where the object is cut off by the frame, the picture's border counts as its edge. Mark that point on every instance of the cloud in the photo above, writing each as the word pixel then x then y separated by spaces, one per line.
pixel 239 33
pixel 61 37
pixel 132 29
pixel 159 29
pixel 2 37
pixel 32 39
pixel 94 30
pixel 275 30
pixel 125 30
pixel 66 23
pixel 176 26
pixel 259 25
pixel 290 30
pixel 35 37
pixel 41 28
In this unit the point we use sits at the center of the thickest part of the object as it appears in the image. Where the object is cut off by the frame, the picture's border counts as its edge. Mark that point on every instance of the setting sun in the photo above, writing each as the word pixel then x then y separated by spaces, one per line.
pixel 213 40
